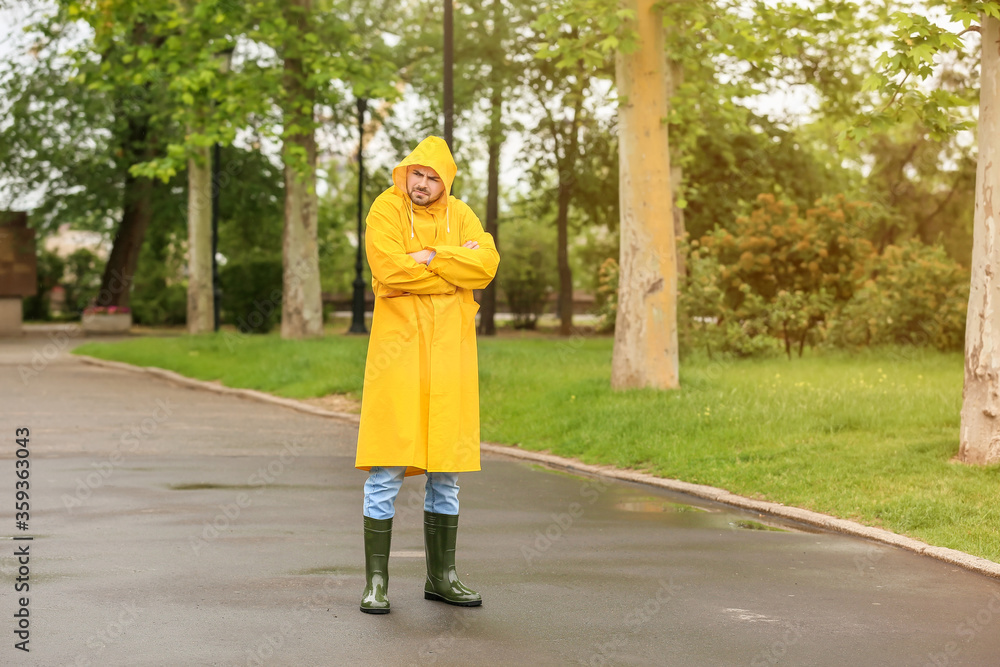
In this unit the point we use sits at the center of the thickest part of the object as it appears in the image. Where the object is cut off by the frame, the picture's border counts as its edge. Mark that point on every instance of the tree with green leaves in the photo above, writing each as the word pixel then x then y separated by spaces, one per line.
pixel 58 138
pixel 91 78
pixel 503 49
pixel 645 351
pixel 203 24
pixel 321 54
pixel 194 43
pixel 319 48
pixel 919 45
pixel 576 45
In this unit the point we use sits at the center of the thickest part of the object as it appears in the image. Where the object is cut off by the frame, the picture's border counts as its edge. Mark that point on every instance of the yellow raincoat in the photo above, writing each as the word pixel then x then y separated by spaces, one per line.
pixel 420 406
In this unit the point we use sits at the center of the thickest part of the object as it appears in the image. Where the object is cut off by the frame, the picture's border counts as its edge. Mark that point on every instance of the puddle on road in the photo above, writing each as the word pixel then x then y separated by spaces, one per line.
pixel 258 487
pixel 623 497
pixel 747 524
pixel 656 505
pixel 329 571
pixel 201 486
pixel 710 516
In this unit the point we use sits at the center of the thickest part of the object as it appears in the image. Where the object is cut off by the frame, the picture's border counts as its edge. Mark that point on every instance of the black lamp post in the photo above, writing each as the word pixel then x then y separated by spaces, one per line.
pixel 358 316
pixel 216 291
pixel 449 97
pixel 225 59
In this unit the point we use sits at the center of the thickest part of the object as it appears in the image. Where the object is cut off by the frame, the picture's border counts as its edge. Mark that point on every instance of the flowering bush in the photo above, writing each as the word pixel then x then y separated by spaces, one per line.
pixel 780 275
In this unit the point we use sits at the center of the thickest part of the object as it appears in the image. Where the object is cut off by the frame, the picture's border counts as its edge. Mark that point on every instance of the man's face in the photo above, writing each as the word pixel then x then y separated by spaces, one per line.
pixel 423 184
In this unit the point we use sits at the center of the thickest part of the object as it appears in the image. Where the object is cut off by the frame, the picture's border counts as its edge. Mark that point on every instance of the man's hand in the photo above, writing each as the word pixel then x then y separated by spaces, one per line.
pixel 421 256
pixel 424 256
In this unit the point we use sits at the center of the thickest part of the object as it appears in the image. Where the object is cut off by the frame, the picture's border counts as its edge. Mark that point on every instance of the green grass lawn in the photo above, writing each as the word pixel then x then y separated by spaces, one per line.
pixel 866 436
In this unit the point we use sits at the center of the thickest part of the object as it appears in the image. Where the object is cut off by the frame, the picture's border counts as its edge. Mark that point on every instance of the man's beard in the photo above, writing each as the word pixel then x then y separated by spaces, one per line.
pixel 422 194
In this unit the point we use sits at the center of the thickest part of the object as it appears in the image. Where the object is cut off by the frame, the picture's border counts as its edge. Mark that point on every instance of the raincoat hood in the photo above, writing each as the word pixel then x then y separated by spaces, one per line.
pixel 432 152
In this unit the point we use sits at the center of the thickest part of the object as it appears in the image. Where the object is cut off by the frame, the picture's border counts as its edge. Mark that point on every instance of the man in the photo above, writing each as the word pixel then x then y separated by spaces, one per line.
pixel 420 407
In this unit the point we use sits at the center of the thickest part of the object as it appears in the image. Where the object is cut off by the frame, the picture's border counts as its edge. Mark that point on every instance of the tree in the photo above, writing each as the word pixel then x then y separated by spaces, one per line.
pixel 578 39
pixel 645 351
pixel 124 43
pixel 719 54
pixel 201 26
pixel 725 53
pixel 101 72
pixel 301 307
pixel 107 133
pixel 980 432
pixel 501 51
pixel 927 188
pixel 320 54
pixel 200 293
pixel 57 134
pixel 919 44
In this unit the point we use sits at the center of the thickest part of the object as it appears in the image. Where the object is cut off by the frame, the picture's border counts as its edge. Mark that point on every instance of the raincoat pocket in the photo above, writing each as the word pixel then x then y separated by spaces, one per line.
pixel 469 310
pixel 394 317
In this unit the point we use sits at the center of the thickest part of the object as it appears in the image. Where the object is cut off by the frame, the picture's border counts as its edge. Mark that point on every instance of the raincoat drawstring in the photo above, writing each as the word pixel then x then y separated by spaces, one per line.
pixel 447 216
pixel 411 216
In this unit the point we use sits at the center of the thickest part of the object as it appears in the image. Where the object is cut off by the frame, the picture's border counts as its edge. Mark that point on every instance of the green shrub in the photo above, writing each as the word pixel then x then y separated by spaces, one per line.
pixel 699 301
pixel 79 274
pixel 705 323
pixel 251 294
pixel 917 296
pixel 82 279
pixel 159 303
pixel 527 273
pixel 159 290
pixel 49 273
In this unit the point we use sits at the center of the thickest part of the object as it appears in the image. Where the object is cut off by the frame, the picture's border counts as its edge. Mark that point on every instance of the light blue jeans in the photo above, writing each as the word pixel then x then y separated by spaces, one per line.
pixel 382 487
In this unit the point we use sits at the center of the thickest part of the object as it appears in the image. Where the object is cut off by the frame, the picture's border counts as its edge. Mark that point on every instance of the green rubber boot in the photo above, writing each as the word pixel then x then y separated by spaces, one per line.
pixel 440 532
pixel 378 535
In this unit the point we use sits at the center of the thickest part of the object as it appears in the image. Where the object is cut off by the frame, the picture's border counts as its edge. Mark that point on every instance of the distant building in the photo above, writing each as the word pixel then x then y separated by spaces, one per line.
pixel 66 241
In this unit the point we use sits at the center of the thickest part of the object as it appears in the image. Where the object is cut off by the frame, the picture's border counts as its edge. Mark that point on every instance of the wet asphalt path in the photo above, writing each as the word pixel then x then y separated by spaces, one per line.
pixel 179 527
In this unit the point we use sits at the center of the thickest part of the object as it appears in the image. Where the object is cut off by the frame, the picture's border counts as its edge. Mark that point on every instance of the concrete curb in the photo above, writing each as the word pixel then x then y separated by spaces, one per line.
pixel 177 378
pixel 959 558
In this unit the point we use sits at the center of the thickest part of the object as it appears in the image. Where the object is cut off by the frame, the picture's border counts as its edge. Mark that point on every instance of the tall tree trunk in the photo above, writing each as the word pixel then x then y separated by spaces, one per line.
pixel 137 210
pixel 562 244
pixel 645 350
pixel 567 184
pixel 200 305
pixel 980 431
pixel 302 306
pixel 487 324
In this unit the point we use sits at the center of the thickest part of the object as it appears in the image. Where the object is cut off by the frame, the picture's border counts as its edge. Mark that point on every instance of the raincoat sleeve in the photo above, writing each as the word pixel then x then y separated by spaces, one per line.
pixel 392 266
pixel 471 269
